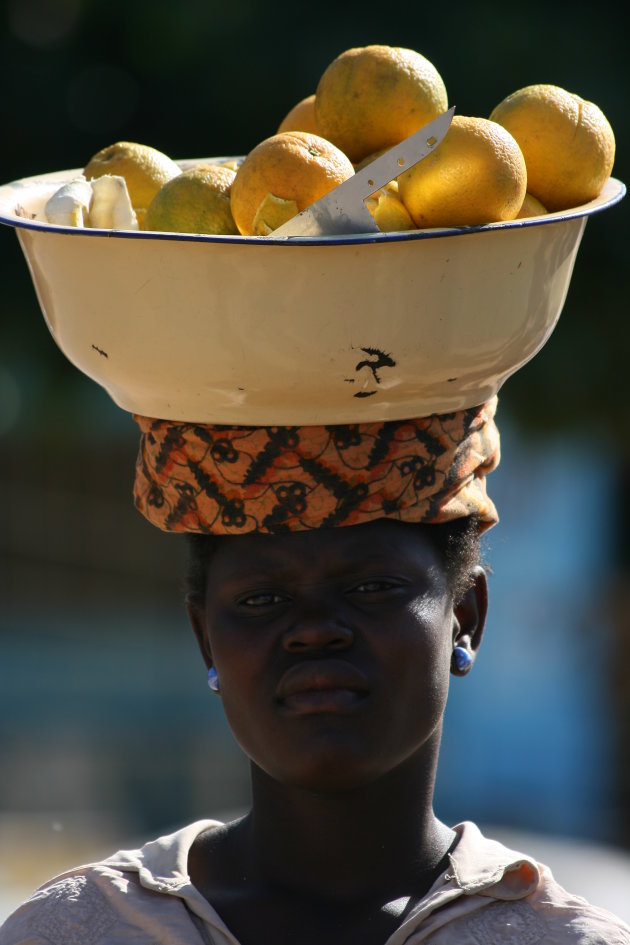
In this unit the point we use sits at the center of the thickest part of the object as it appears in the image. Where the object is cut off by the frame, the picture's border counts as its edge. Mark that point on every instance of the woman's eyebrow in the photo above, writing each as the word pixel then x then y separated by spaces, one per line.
pixel 343 567
pixel 258 574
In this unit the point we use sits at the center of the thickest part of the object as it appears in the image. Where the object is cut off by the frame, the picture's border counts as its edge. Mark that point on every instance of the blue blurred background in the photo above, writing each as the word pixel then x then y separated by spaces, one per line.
pixel 108 734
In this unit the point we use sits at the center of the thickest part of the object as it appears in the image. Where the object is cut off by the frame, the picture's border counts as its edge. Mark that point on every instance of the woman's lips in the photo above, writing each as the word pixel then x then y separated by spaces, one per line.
pixel 325 685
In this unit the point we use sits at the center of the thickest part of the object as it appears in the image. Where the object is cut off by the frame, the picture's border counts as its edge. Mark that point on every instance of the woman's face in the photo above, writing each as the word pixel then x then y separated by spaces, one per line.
pixel 333 649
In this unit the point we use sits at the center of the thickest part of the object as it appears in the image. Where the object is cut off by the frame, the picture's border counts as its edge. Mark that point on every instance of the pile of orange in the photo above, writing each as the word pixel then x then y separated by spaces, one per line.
pixel 541 149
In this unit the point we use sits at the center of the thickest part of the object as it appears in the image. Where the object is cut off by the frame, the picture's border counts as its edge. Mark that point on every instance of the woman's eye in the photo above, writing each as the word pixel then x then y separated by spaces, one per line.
pixel 375 586
pixel 262 599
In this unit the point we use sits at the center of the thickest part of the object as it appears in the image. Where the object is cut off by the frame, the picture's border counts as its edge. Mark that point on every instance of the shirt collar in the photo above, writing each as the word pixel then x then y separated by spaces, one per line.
pixel 163 863
pixel 482 866
pixel 478 866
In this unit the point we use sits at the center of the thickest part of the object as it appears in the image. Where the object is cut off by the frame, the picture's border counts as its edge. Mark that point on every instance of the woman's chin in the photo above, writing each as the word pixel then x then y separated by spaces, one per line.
pixel 333 768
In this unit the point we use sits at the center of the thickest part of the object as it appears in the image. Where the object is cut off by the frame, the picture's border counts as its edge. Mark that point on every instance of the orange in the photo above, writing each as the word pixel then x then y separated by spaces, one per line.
pixel 568 144
pixel 372 97
pixel 301 117
pixel 475 175
pixel 289 171
pixel 196 201
pixel 388 210
pixel 531 207
pixel 145 170
pixel 272 212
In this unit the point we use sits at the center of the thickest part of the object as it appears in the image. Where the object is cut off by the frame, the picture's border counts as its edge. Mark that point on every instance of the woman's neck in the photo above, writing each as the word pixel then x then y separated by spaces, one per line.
pixel 381 839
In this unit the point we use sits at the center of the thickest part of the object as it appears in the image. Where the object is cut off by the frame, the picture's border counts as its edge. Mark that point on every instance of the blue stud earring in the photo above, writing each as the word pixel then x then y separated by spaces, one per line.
pixel 463 659
pixel 213 679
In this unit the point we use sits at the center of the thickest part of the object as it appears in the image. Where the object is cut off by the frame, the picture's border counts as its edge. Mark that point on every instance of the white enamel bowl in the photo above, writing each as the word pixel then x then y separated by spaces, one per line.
pixel 252 330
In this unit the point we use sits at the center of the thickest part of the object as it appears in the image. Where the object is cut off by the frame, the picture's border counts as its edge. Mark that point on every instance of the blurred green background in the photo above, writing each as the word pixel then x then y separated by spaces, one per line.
pixel 89 593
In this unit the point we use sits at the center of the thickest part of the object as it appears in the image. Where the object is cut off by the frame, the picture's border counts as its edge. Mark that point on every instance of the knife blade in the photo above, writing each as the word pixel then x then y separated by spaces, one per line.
pixel 342 210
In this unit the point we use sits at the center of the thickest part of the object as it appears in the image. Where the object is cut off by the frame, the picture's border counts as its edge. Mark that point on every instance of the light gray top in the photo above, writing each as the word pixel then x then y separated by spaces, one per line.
pixel 488 895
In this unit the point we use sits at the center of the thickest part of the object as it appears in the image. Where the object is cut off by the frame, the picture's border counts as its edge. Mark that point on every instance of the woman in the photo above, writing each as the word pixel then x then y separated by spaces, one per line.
pixel 334 590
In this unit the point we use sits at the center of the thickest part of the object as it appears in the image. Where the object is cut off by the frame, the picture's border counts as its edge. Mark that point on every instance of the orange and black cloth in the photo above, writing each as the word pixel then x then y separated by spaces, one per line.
pixel 234 479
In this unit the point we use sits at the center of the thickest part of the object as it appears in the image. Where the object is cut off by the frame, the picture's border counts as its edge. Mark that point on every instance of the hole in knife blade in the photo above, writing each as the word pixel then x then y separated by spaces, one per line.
pixel 401 161
pixel 431 141
pixel 370 183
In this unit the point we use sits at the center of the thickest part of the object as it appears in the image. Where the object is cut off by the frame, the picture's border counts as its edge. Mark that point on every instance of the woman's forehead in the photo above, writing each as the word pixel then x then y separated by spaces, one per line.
pixel 378 541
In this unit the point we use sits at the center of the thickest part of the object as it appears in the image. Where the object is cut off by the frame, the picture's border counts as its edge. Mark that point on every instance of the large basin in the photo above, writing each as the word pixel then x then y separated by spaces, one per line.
pixel 257 330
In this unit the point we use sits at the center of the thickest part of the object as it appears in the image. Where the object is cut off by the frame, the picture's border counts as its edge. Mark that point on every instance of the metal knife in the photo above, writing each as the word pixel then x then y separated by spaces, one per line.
pixel 342 210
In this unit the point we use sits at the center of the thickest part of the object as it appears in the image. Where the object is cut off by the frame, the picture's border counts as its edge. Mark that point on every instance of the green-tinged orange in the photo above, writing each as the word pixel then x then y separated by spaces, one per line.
pixel 196 201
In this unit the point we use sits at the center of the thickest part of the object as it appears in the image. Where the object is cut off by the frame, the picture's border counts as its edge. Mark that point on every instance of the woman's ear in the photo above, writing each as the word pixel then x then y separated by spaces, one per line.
pixel 469 618
pixel 197 616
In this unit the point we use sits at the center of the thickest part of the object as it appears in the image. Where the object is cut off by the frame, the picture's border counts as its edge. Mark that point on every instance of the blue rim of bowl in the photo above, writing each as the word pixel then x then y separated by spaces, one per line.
pixel 613 191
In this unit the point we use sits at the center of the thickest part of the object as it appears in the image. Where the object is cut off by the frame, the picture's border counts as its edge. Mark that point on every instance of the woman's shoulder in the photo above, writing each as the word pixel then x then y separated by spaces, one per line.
pixel 119 899
pixel 78 907
pixel 509 898
pixel 571 918
pixel 524 922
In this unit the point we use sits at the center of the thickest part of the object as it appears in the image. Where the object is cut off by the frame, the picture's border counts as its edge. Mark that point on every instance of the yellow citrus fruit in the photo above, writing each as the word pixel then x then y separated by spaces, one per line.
pixel 145 170
pixel 531 207
pixel 388 210
pixel 301 117
pixel 568 144
pixel 272 213
pixel 295 167
pixel 475 175
pixel 372 97
pixel 196 201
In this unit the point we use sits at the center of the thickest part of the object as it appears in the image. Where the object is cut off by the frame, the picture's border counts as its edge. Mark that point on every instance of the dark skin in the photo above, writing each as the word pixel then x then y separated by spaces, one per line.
pixel 333 650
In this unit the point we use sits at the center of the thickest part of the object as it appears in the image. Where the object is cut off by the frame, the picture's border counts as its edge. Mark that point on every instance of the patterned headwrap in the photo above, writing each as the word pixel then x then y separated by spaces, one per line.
pixel 233 479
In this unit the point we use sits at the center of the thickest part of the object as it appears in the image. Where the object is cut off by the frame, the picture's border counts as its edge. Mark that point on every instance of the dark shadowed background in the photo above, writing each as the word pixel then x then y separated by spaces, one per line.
pixel 106 728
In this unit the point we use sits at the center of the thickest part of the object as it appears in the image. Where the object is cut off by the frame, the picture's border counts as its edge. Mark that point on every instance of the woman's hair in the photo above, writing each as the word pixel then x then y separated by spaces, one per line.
pixel 457 543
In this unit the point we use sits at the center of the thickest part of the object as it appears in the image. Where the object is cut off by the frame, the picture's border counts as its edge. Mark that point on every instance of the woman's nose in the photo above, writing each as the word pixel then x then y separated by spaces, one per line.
pixel 317 627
